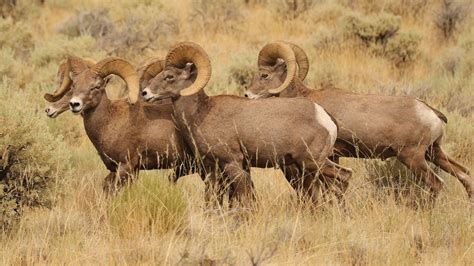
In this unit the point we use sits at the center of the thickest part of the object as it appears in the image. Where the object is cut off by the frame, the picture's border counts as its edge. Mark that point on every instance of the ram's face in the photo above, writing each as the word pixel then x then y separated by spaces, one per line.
pixel 267 77
pixel 59 107
pixel 169 83
pixel 87 91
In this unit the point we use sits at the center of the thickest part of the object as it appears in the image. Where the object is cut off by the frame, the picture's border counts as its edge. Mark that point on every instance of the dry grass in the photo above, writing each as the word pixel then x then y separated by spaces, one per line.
pixel 161 224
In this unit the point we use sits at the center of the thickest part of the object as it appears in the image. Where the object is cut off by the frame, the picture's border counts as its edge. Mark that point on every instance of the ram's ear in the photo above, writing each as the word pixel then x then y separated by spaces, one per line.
pixel 280 65
pixel 190 69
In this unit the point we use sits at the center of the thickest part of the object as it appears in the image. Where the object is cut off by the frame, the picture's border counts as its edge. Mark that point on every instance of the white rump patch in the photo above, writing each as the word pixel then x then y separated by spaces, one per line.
pixel 325 120
pixel 429 118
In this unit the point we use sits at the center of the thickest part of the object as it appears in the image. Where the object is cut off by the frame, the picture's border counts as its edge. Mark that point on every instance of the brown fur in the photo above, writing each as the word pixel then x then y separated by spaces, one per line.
pixel 127 137
pixel 374 126
pixel 235 133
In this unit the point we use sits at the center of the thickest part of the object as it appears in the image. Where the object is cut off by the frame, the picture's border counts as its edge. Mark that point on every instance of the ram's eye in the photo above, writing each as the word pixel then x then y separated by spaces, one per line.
pixel 264 76
pixel 169 78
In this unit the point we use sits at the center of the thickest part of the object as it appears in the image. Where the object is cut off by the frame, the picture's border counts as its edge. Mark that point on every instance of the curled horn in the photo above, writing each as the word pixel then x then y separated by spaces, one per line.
pixel 269 55
pixel 150 70
pixel 65 80
pixel 186 52
pixel 122 68
pixel 301 60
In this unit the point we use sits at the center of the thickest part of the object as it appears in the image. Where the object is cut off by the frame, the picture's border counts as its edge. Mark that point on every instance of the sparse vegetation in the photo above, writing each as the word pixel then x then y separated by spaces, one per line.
pixel 33 162
pixel 53 211
pixel 149 206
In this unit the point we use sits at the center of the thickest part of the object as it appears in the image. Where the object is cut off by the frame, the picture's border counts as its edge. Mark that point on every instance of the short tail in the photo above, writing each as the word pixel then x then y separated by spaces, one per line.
pixel 437 112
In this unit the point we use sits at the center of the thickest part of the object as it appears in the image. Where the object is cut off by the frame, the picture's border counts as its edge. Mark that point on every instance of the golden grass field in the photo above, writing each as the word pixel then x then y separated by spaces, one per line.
pixel 153 222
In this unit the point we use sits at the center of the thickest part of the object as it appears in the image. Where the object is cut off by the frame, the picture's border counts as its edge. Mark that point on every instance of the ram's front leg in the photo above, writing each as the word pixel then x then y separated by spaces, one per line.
pixel 241 185
pixel 214 190
pixel 108 183
pixel 126 173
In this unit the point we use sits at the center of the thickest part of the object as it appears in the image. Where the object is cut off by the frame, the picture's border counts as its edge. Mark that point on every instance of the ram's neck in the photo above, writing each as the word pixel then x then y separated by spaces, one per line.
pixel 190 110
pixel 296 89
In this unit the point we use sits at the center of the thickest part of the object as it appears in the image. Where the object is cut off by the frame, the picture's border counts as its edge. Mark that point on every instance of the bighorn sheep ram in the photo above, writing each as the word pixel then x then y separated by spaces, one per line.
pixel 371 126
pixel 129 136
pixel 230 134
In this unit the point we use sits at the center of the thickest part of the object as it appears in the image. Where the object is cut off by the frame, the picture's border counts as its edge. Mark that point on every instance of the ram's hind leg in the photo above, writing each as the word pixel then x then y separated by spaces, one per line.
pixel 337 179
pixel 213 188
pixel 108 185
pixel 293 176
pixel 441 159
pixel 303 185
pixel 414 158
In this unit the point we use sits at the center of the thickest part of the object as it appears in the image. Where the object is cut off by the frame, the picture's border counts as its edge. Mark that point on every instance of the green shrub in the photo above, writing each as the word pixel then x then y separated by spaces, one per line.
pixel 372 30
pixel 33 162
pixel 149 205
pixel 403 48
pixel 381 36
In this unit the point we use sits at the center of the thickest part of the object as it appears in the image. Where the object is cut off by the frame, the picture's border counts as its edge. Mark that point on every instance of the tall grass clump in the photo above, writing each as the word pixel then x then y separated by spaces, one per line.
pixel 148 206
pixel 33 162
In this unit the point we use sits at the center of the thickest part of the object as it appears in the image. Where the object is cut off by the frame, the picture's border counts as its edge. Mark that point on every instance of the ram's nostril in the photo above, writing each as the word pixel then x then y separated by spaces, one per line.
pixel 46 110
pixel 144 93
pixel 74 104
pixel 246 95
